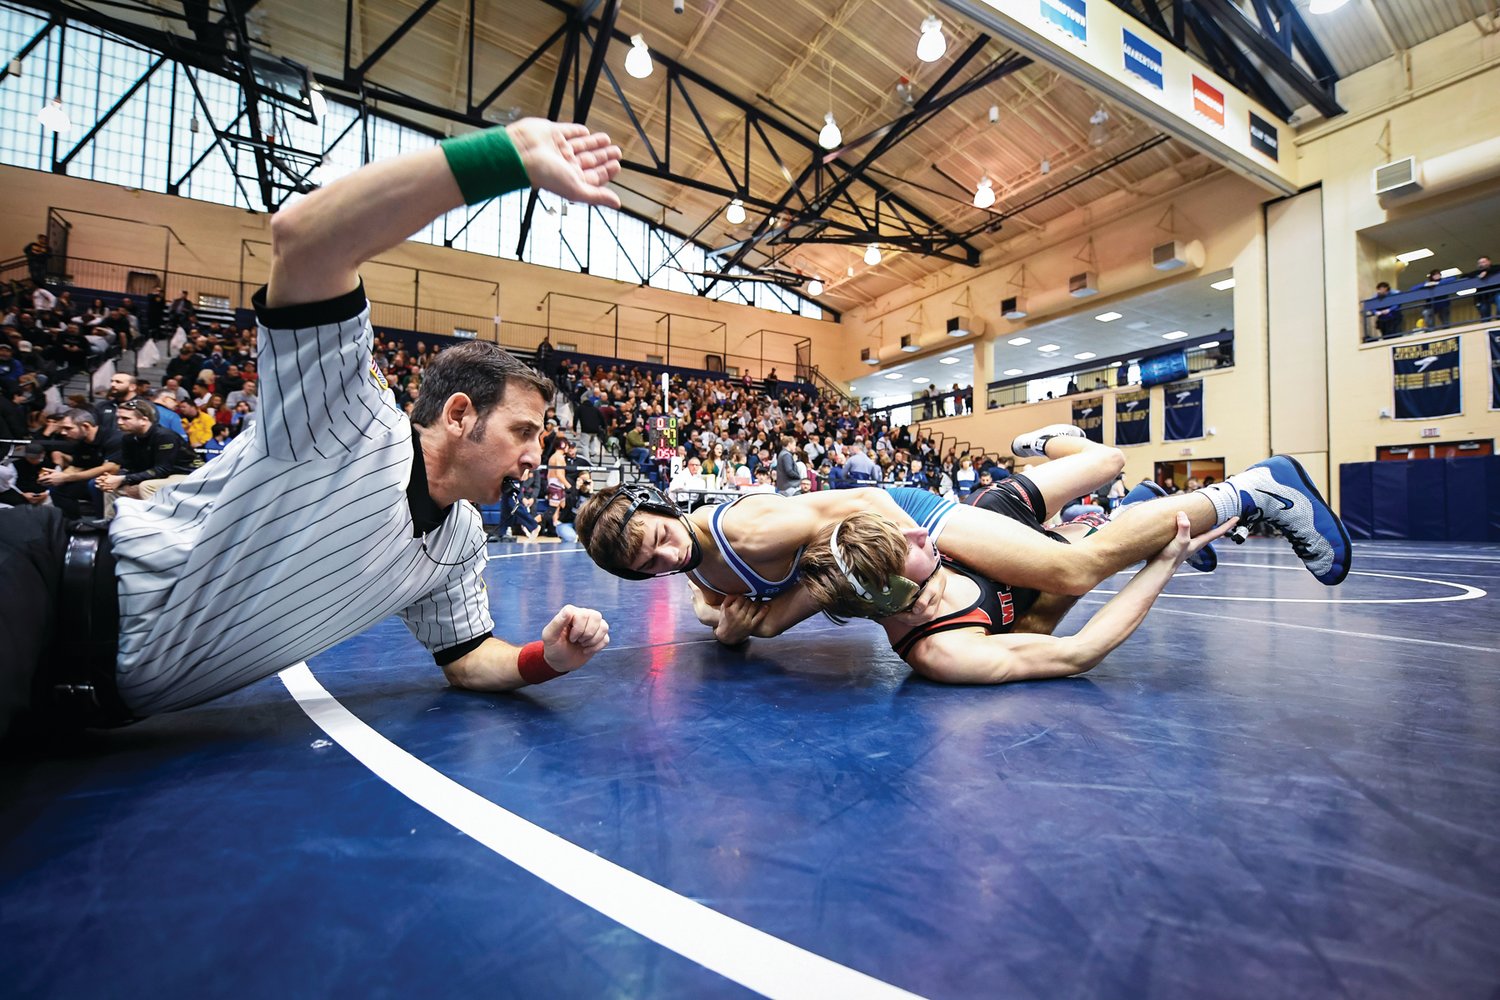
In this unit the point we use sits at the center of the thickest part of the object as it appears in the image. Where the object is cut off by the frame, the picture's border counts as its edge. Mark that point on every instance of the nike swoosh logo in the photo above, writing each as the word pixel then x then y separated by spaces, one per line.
pixel 1285 503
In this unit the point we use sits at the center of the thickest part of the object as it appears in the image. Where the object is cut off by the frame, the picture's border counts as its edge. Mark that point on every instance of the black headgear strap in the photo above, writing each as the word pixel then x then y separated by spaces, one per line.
pixel 643 496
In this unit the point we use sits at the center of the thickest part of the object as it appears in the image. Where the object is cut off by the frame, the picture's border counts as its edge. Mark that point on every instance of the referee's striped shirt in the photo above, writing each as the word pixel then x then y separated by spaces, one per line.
pixel 298 536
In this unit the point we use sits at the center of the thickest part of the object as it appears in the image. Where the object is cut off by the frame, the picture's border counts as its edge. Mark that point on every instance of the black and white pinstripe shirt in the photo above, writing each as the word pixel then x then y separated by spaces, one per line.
pixel 298 536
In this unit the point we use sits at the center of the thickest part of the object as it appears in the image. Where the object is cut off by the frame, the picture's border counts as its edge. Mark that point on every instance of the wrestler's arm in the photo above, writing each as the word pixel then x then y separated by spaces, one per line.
pixel 1045 614
pixel 318 243
pixel 965 657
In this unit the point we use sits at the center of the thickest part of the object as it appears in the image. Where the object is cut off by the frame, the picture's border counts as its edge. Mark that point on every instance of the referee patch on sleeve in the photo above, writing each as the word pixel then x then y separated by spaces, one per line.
pixel 378 377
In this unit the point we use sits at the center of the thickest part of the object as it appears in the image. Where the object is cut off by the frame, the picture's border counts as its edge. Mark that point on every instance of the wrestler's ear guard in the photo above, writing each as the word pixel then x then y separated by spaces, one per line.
pixel 643 496
pixel 894 597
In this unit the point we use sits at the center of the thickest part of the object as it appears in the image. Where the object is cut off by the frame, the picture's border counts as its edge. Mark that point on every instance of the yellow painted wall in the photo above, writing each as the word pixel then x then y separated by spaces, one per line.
pixel 127 226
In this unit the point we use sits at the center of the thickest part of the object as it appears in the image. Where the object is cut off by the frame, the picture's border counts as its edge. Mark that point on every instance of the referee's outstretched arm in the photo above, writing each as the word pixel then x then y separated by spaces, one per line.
pixel 319 242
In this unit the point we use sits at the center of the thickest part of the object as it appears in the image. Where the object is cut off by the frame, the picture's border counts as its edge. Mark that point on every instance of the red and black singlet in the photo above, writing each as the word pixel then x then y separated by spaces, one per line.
pixel 995 610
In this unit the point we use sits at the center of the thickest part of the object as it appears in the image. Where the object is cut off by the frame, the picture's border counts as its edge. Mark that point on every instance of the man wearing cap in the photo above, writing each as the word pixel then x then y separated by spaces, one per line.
pixel 11 367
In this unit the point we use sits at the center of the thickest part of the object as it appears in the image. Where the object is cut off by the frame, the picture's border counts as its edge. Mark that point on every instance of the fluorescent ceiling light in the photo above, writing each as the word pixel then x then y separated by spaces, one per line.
pixel 1325 6
pixel 1013 371
pixel 1411 255
pixel 949 361
pixel 1085 355
pixel 1108 317
pixel 1049 347
pixel 1174 335
pixel 921 381
pixel 1449 272
pixel 1467 291
pixel 1211 343
pixel 1115 364
pixel 1223 286
pixel 893 375
pixel 1018 341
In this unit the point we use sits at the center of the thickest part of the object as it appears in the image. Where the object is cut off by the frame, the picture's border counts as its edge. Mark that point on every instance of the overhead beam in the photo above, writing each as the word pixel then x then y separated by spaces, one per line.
pixel 394 37
pixel 1228 17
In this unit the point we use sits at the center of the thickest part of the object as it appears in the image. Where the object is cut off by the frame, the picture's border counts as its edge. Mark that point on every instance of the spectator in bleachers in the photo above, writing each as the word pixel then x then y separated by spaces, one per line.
pixel 88 452
pixel 38 253
pixel 966 477
pixel 1487 297
pixel 186 366
pixel 180 312
pixel 240 417
pixel 26 486
pixel 11 367
pixel 581 490
pixel 166 403
pixel 214 446
pixel 152 457
pixel 860 469
pixel 1387 318
pixel 788 479
pixel 197 422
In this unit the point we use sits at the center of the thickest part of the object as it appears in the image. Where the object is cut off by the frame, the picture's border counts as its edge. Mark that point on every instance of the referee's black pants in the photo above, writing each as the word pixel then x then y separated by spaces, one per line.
pixel 32 543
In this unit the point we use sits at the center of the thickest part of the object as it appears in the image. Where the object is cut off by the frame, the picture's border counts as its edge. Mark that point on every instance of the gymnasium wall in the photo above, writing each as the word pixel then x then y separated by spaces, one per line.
pixel 225 242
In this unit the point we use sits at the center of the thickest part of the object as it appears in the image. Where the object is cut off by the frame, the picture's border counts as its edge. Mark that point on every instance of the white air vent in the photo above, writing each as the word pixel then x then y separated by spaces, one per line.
pixel 1081 286
pixel 962 326
pixel 908 346
pixel 1169 256
pixel 868 357
pixel 1013 307
pixel 1400 177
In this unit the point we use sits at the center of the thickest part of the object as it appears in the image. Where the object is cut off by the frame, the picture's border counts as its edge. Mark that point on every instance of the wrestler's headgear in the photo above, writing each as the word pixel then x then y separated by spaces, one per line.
pixel 642 496
pixel 897 595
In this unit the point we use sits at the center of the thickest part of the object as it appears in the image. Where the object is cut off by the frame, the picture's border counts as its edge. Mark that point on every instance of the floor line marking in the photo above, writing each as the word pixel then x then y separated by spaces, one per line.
pixel 738 952
pixel 1468 593
pixel 538 552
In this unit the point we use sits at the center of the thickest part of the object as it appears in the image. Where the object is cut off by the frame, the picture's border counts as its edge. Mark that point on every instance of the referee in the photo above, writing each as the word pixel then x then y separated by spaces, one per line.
pixel 333 510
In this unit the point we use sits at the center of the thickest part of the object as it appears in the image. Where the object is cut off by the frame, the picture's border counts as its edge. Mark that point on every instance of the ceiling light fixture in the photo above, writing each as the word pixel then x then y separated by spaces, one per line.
pixel 984 194
pixel 1222 286
pixel 638 60
pixel 1098 129
pixel 1449 272
pixel 1325 6
pixel 1013 371
pixel 1174 335
pixel 1085 355
pixel 735 213
pixel 872 254
pixel 893 375
pixel 1049 347
pixel 994 114
pixel 1018 341
pixel 1211 343
pixel 932 44
pixel 830 137
pixel 815 286
pixel 921 381
pixel 1108 317
pixel 54 118
pixel 1411 255
pixel 949 361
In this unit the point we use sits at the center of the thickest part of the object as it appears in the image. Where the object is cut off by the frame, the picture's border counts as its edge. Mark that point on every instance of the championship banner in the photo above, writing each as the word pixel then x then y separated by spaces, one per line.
pixel 1426 380
pixel 1263 137
pixel 1183 409
pixel 1495 369
pixel 1142 59
pixel 1208 102
pixel 1132 418
pixel 1088 415
pixel 1071 17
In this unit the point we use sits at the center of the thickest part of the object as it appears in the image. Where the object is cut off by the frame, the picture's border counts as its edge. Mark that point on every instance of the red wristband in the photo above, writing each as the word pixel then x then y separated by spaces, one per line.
pixel 533 665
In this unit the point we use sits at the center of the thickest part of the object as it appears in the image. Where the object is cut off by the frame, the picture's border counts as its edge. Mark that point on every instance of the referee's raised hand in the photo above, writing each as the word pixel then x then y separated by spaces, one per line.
pixel 572 636
pixel 567 159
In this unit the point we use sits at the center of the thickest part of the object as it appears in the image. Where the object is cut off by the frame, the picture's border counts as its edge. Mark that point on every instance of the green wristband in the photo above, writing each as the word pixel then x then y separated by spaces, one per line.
pixel 485 164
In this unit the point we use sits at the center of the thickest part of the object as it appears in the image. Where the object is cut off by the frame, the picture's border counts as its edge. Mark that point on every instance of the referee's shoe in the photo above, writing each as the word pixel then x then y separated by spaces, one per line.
pixel 1278 491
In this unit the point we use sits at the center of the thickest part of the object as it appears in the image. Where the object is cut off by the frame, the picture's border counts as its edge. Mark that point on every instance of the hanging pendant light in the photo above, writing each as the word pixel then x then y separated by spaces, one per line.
pixel 830 137
pixel 54 118
pixel 318 101
pixel 984 194
pixel 638 60
pixel 735 213
pixel 872 254
pixel 815 286
pixel 932 44
pixel 1098 127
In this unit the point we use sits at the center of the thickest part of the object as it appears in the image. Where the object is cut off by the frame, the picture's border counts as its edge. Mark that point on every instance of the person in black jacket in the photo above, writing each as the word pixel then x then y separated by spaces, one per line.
pixel 152 457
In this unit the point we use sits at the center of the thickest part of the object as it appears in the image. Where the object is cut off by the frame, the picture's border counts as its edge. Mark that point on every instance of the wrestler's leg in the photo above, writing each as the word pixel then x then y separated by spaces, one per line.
pixel 1077 467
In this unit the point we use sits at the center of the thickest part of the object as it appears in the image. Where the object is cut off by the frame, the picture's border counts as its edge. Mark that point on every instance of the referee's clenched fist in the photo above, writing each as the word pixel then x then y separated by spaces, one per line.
pixel 572 636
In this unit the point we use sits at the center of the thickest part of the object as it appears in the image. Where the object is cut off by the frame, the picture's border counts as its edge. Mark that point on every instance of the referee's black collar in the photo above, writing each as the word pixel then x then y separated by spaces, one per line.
pixel 426 515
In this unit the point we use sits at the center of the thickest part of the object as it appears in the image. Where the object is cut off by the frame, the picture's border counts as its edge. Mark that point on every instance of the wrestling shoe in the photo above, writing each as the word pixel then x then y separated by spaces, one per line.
pixel 1034 443
pixel 1279 492
pixel 1205 560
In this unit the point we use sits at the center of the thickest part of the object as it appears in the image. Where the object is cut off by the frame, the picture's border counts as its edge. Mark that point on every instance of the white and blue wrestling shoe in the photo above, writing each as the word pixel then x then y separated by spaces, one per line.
pixel 1205 560
pixel 1034 443
pixel 1279 492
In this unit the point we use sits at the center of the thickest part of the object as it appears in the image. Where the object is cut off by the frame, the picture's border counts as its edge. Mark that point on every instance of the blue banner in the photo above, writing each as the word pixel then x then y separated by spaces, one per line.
pixel 1132 418
pixel 1183 408
pixel 1495 369
pixel 1088 415
pixel 1142 60
pixel 1426 379
pixel 1069 16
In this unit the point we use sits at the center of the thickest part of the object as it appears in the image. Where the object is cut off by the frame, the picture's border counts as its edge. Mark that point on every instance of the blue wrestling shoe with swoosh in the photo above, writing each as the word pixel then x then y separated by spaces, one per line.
pixel 1279 491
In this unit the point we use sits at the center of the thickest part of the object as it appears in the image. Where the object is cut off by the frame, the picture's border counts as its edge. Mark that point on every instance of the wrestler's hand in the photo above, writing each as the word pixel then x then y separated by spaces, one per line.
pixel 707 613
pixel 738 619
pixel 567 160
pixel 1199 541
pixel 572 636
